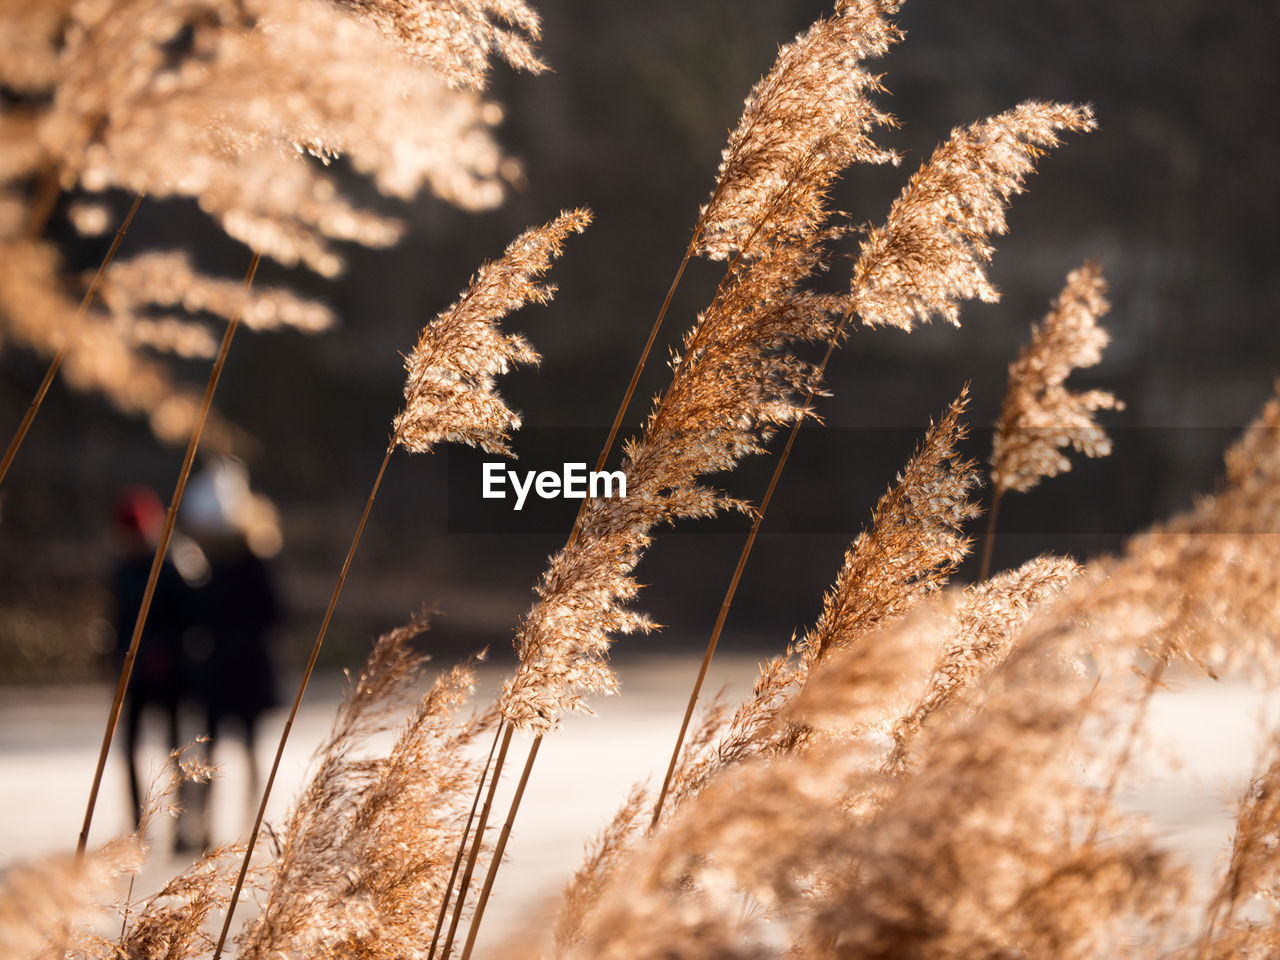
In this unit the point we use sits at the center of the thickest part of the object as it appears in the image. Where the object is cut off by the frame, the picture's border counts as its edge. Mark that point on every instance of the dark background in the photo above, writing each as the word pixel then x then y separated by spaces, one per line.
pixel 1175 193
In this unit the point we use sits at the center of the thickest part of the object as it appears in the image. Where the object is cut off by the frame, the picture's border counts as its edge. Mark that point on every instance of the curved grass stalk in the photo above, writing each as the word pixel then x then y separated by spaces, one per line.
pixel 297 703
pixel 157 563
pixel 989 541
pixel 68 341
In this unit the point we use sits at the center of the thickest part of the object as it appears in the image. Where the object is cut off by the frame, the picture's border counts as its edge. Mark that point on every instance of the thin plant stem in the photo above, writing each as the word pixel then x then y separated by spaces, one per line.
pixel 157 562
pixel 1131 739
pixel 577 521
pixel 644 358
pixel 475 846
pixel 44 198
pixel 297 700
pixel 496 860
pixel 653 335
pixel 989 541
pixel 462 846
pixel 128 902
pixel 732 590
pixel 68 340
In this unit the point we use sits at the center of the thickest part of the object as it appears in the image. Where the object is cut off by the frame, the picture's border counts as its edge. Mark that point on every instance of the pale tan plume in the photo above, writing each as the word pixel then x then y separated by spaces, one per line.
pixel 450 393
pixel 1041 416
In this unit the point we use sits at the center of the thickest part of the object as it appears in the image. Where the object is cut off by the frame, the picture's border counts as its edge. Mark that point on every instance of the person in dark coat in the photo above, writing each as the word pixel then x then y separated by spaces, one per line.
pixel 234 613
pixel 160 680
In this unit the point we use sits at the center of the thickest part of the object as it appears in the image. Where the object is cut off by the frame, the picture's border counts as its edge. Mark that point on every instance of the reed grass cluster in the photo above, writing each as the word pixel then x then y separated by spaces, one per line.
pixel 905 780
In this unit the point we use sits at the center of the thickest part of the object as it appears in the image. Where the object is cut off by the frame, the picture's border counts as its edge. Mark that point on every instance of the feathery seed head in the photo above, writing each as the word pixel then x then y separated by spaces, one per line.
pixel 734 381
pixel 364 852
pixel 237 105
pixel 450 393
pixel 807 120
pixel 1204 585
pixel 915 542
pixel 933 249
pixel 1040 416
pixel 457 37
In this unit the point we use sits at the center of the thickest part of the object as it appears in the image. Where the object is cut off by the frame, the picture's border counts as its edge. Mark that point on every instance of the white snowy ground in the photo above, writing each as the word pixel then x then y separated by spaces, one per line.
pixel 49 739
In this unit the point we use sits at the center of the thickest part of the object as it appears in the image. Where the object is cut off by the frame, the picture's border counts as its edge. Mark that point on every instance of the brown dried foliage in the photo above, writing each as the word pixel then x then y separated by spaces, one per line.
pixel 38 313
pixel 57 906
pixel 457 38
pixel 975 853
pixel 1252 871
pixel 734 382
pixel 736 378
pixel 1205 585
pixel 600 868
pixel 985 624
pixel 905 781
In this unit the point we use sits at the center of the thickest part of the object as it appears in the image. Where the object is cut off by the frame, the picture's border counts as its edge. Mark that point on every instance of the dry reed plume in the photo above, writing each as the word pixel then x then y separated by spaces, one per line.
pixel 459 38
pixel 985 843
pixel 928 255
pixel 229 104
pixel 825 851
pixel 359 864
pixel 932 250
pixel 914 543
pixel 818 854
pixel 449 395
pixel 1252 873
pixel 82 907
pixel 735 380
pixel 1040 415
pixel 1165 592
pixel 812 110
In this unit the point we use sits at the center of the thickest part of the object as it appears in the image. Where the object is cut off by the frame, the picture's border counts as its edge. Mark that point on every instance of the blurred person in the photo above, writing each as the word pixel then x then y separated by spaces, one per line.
pixel 160 678
pixel 234 612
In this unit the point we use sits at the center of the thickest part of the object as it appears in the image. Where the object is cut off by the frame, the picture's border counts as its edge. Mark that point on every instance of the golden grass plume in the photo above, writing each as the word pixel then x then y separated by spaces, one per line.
pixel 1040 415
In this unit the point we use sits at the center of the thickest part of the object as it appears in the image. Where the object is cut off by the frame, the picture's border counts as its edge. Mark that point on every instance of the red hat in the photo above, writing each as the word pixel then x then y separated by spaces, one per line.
pixel 138 510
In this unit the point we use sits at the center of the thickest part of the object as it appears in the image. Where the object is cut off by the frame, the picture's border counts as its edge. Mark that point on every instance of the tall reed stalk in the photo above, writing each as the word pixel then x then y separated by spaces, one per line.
pixel 297 702
pixel 462 845
pixel 157 563
pixel 68 340
pixel 526 771
pixel 601 460
pixel 472 850
pixel 459 347
pixel 989 538
pixel 929 255
pixel 696 241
